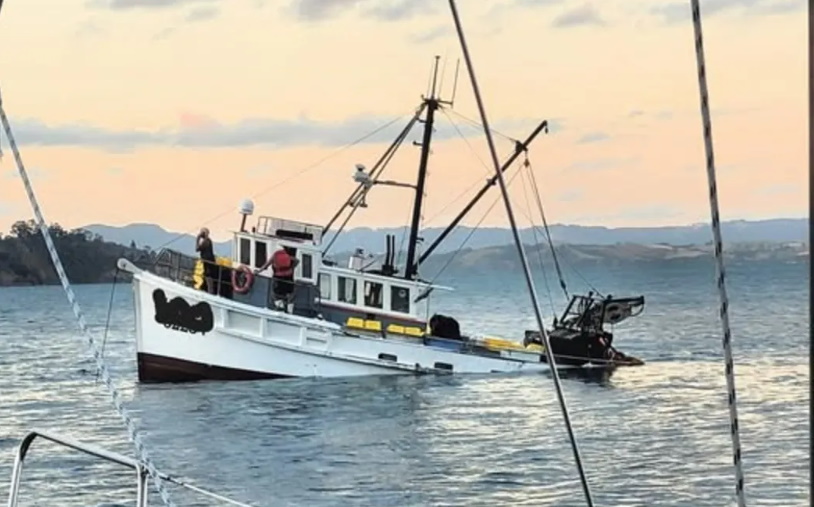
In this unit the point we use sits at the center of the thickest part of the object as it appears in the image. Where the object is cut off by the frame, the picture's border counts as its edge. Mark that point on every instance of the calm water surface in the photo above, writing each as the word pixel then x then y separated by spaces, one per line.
pixel 650 436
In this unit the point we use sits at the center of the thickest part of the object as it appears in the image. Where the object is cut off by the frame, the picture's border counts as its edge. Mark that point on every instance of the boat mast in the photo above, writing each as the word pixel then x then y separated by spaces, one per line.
pixel 432 103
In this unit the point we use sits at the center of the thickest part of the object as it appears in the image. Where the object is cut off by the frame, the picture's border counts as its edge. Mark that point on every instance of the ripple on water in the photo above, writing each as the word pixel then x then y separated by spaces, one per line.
pixel 652 435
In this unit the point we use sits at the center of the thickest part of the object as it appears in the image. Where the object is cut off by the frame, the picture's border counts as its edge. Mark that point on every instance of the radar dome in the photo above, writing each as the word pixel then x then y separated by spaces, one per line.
pixel 246 207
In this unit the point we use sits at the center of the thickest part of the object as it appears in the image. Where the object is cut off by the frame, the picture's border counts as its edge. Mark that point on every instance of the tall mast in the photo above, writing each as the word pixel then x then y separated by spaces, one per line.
pixel 432 104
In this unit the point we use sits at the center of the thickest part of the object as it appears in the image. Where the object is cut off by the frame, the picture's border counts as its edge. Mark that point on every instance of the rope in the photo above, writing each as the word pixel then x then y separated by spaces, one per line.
pixel 115 396
pixel 109 314
pixel 523 260
pixel 202 491
pixel 719 261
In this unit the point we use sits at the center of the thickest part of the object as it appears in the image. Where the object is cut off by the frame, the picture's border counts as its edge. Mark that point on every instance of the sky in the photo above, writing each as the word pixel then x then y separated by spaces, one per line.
pixel 173 111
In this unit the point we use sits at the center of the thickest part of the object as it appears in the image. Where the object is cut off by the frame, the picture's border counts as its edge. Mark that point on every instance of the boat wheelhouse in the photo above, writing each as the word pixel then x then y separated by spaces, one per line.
pixel 323 289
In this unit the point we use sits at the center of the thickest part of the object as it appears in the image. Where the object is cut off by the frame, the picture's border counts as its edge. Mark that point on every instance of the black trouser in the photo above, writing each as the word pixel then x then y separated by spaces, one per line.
pixel 283 287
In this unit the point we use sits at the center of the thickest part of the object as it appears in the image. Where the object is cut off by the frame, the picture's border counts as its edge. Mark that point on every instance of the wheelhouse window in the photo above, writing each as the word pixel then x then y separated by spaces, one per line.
pixel 399 299
pixel 324 286
pixel 374 294
pixel 260 253
pixel 307 266
pixel 346 290
pixel 245 251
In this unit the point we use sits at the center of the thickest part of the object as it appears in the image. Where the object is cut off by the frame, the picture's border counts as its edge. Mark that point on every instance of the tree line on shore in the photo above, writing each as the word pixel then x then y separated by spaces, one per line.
pixel 86 257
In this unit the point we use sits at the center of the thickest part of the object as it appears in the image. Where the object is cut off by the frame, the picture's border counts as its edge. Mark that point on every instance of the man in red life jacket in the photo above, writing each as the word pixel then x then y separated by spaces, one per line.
pixel 283 263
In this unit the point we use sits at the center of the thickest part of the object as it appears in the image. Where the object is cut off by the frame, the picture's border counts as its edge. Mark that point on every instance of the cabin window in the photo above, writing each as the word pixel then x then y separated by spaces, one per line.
pixel 307 266
pixel 346 290
pixel 260 253
pixel 245 251
pixel 399 299
pixel 324 286
pixel 373 294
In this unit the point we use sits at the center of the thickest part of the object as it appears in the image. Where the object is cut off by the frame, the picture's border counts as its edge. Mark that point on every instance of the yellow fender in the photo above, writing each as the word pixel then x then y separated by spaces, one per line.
pixel 495 343
pixel 197 273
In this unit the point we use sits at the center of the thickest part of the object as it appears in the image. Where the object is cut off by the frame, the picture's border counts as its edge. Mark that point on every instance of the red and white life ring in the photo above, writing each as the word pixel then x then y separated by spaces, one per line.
pixel 248 279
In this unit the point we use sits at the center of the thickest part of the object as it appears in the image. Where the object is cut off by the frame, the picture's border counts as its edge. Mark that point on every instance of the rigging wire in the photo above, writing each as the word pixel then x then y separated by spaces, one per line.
pixel 359 197
pixel 470 234
pixel 468 144
pixel 524 261
pixel 479 125
pixel 537 245
pixel 527 165
pixel 729 368
pixel 526 213
pixel 356 196
pixel 476 183
pixel 296 174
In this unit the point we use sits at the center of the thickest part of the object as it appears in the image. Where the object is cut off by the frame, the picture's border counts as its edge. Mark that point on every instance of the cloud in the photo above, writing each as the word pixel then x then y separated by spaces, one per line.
pixel 649 212
pixel 536 3
pixel 571 196
pixel 7 209
pixel 580 16
pixel 601 164
pixel 202 14
pixel 652 211
pixel 383 10
pixel 120 5
pixel 593 137
pixel 199 131
pixel 677 12
pixel 652 115
pixel 779 189
pixel 89 29
pixel 35 173
pixel 164 33
pixel 431 34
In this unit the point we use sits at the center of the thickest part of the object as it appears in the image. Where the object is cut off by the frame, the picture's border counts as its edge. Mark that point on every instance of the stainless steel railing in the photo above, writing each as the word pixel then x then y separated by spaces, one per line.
pixel 92 450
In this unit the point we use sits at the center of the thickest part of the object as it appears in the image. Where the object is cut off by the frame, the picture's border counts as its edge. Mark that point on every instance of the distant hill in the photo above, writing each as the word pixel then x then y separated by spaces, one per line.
pixel 372 240
pixel 87 258
pixel 504 258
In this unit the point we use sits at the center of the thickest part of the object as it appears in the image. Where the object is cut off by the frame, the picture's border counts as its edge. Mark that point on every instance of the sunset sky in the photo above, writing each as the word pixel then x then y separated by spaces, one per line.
pixel 172 111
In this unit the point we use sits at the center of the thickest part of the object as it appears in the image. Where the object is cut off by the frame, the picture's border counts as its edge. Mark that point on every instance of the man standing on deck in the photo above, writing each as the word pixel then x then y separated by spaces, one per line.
pixel 282 263
pixel 203 244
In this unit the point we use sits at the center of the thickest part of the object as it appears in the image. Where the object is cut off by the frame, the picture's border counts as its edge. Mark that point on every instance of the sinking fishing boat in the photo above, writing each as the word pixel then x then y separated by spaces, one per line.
pixel 339 320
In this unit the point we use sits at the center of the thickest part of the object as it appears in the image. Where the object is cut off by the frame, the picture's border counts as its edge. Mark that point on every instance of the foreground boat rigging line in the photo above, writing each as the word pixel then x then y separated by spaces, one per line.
pixel 726 343
pixel 145 464
pixel 522 253
pixel 115 396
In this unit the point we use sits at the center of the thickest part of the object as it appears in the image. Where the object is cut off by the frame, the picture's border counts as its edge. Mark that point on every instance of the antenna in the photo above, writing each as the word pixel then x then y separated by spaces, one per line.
pixel 434 77
pixel 455 83
pixel 443 74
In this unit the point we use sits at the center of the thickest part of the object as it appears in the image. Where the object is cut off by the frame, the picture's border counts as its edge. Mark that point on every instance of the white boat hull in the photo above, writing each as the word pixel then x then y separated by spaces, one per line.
pixel 226 340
